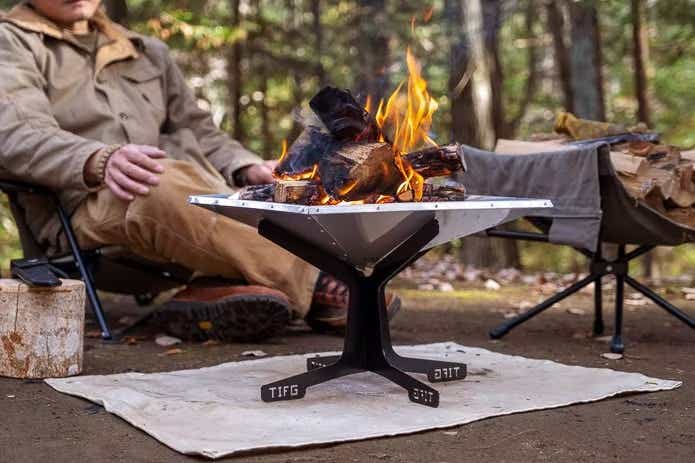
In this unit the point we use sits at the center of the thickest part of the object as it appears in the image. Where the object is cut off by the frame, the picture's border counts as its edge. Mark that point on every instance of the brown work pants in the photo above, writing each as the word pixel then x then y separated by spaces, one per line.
pixel 162 226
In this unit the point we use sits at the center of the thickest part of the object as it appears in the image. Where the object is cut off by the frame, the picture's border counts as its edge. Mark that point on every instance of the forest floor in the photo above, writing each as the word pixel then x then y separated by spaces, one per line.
pixel 39 424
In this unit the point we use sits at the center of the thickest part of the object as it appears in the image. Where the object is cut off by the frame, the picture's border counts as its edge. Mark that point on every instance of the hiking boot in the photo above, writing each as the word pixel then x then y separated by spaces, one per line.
pixel 229 313
pixel 329 307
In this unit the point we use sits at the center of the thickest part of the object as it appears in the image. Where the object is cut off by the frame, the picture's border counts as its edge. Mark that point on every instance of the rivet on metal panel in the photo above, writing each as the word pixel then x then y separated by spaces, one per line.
pixel 334 243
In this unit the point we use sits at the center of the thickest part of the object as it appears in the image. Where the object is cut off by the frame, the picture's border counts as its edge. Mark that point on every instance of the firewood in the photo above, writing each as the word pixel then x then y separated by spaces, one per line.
pixel 629 165
pixel 357 170
pixel 688 156
pixel 308 149
pixel 297 192
pixel 435 193
pixel 438 161
pixel 345 118
pixel 264 192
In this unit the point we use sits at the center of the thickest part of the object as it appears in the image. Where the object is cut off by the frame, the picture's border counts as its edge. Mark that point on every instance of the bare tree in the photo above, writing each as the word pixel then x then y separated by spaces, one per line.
pixel 373 46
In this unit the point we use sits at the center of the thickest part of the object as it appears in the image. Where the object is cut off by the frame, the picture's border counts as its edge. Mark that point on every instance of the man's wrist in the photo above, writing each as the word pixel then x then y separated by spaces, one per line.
pixel 95 169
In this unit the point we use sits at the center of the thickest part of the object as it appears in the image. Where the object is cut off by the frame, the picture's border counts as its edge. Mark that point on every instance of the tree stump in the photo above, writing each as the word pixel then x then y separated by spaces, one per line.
pixel 41 330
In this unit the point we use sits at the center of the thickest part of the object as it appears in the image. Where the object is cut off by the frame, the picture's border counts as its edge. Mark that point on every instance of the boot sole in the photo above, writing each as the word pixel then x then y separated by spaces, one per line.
pixel 231 319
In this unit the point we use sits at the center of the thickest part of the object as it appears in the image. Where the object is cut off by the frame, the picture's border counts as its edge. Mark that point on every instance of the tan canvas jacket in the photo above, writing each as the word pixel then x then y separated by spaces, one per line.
pixel 59 104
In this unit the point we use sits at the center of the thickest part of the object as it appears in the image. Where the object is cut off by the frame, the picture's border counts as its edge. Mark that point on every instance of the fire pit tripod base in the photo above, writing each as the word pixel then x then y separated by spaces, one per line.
pixel 367 345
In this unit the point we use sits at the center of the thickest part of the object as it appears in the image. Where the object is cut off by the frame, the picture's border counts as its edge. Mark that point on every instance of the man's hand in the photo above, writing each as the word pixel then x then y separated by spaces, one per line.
pixel 132 170
pixel 258 174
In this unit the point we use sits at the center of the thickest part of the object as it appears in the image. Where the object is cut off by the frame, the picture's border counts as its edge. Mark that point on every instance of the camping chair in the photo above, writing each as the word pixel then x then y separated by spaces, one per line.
pixel 109 268
pixel 623 221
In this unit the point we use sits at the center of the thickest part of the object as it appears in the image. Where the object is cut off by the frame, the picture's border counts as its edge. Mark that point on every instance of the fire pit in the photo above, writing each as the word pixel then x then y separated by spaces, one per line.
pixel 366 245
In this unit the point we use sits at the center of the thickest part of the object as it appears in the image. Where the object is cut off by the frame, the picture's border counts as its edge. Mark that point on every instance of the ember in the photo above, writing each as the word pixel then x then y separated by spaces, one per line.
pixel 348 155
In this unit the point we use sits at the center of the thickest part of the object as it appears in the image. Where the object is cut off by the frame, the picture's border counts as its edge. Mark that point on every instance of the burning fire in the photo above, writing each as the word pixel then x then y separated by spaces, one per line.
pixel 405 118
pixel 410 118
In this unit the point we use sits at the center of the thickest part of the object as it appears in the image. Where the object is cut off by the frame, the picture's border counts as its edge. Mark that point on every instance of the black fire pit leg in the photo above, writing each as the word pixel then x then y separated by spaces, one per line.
pixel 367 345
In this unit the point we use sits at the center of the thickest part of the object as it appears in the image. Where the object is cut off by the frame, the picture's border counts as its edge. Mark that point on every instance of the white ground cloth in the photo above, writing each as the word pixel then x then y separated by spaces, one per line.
pixel 217 411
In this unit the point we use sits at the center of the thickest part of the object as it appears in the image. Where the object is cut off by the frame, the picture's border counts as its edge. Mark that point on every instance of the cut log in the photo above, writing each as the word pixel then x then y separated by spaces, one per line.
pixel 688 155
pixel 528 147
pixel 357 170
pixel 297 192
pixel 438 161
pixel 41 329
pixel 258 192
pixel 345 118
pixel 436 193
pixel 629 165
pixel 308 149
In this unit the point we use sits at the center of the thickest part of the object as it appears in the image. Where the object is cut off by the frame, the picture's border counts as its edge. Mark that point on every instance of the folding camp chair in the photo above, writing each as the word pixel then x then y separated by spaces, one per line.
pixel 621 220
pixel 110 269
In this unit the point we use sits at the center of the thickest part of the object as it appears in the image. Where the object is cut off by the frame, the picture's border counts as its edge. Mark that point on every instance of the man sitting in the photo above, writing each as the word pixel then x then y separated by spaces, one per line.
pixel 103 116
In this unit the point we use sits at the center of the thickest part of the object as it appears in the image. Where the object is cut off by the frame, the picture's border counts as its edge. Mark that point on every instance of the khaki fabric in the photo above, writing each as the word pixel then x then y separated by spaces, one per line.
pixel 60 103
pixel 164 227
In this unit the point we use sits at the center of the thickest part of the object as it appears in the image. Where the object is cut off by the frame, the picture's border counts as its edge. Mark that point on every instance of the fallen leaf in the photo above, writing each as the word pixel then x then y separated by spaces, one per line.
pixel 130 340
pixel 509 315
pixel 450 433
pixel 688 290
pixel 211 342
pixel 174 351
pixel 690 297
pixel 611 356
pixel 253 353
pixel 426 287
pixel 579 336
pixel 603 338
pixel 167 341
pixel 492 285
pixel 11 396
pixel 575 311
pixel 93 334
pixel 637 302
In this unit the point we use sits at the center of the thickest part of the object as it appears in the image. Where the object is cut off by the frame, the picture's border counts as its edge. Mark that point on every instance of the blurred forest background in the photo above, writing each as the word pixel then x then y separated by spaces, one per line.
pixel 498 68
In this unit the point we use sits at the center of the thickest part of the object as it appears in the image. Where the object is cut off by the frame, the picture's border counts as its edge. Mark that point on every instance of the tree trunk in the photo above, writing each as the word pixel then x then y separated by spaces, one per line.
pixel 317 27
pixel 640 55
pixel 373 46
pixel 492 20
pixel 294 23
pixel 234 87
pixel 262 70
pixel 117 11
pixel 556 26
pixel 587 76
pixel 469 128
pixel 481 87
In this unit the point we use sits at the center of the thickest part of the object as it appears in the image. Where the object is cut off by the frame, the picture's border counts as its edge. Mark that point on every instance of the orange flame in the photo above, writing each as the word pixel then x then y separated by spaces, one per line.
pixel 410 118
pixel 283 155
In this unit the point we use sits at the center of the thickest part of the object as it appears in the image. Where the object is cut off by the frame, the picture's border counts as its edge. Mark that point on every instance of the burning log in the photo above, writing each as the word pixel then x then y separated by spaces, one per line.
pixel 438 161
pixel 344 117
pixel 308 149
pixel 357 170
pixel 297 192
pixel 264 192
pixel 435 193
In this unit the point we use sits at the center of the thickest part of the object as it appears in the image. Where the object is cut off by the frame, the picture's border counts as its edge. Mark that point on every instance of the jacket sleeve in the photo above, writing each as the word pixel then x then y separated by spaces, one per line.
pixel 224 153
pixel 33 148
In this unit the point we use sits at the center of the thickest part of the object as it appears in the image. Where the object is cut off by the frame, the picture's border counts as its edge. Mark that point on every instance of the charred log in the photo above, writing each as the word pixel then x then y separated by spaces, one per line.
pixel 438 161
pixel 258 192
pixel 297 192
pixel 345 118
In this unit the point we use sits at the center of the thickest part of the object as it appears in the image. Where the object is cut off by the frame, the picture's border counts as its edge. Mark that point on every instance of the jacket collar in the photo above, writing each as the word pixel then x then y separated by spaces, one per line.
pixel 119 45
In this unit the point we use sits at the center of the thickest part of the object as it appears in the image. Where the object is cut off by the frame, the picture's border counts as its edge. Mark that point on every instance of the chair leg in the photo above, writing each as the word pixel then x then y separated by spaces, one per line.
pixel 617 345
pixel 598 307
pixel 92 295
pixel 661 302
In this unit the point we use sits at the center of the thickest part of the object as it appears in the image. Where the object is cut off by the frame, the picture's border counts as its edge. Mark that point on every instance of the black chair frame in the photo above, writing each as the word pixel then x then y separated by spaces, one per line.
pixel 599 267
pixel 83 264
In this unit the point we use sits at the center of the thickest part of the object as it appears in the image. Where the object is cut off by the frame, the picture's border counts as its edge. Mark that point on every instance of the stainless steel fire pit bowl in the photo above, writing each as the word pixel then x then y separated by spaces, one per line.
pixel 365 246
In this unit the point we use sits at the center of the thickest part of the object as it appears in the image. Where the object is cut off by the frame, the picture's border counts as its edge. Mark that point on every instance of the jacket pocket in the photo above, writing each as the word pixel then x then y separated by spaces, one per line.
pixel 146 80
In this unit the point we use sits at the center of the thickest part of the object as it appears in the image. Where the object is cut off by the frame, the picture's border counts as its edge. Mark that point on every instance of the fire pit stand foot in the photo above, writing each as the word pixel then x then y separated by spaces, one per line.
pixel 367 345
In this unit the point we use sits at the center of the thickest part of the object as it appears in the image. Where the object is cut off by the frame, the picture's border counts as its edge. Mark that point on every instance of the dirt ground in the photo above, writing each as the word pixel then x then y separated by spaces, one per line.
pixel 39 424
